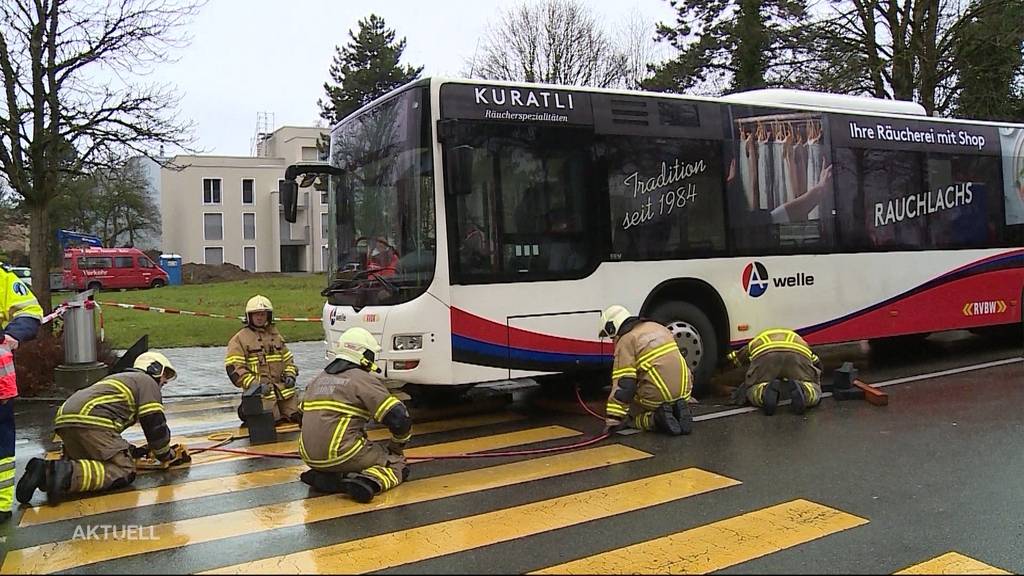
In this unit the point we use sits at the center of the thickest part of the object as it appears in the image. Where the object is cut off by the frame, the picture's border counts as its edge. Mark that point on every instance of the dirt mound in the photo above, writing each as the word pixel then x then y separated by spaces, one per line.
pixel 192 273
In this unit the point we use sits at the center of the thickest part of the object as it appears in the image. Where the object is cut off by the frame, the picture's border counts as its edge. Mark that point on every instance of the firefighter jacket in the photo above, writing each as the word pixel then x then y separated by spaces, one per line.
pixel 260 356
pixel 117 402
pixel 766 345
pixel 337 407
pixel 774 340
pixel 20 316
pixel 648 369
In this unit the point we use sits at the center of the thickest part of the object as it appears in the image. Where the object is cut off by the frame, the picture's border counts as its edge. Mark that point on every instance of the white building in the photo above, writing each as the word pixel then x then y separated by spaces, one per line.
pixel 217 209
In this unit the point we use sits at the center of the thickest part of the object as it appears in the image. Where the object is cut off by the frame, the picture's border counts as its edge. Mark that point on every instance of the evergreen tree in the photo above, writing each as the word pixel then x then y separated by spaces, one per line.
pixel 365 69
pixel 990 61
pixel 730 45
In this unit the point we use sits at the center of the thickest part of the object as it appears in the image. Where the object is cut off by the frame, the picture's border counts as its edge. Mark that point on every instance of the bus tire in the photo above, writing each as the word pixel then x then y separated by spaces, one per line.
pixel 696 337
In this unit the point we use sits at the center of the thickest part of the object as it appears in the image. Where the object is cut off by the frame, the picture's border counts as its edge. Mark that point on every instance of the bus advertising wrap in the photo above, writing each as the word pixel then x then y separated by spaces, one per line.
pixel 515 104
pixel 1012 142
pixel 913 135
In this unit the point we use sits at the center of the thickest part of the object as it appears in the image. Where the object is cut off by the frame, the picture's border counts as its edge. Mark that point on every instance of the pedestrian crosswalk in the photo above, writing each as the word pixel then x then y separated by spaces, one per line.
pixel 466 508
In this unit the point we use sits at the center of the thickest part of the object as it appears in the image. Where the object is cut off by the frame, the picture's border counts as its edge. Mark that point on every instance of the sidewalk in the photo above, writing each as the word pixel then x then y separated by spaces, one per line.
pixel 201 370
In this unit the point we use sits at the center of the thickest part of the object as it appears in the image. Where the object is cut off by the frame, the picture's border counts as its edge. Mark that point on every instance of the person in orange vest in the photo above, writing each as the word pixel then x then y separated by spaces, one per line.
pixel 20 316
pixel 781 362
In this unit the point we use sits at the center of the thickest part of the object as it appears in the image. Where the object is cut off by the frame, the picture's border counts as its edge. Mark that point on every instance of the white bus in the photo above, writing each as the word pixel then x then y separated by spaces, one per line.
pixel 479 228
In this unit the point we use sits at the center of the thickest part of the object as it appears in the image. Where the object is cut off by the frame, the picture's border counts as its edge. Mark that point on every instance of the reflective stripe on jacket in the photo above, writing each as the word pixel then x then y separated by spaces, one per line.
pixel 648 353
pixel 259 355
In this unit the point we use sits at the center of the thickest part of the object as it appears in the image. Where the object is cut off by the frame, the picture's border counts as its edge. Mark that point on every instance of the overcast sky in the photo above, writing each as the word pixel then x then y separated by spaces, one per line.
pixel 250 56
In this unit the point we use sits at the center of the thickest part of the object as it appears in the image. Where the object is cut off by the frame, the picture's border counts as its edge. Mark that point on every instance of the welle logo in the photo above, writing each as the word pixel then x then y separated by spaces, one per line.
pixel 756 280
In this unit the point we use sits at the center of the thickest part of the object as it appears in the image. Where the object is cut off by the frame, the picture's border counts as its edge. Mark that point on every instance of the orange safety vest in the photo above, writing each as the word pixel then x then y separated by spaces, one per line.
pixel 8 379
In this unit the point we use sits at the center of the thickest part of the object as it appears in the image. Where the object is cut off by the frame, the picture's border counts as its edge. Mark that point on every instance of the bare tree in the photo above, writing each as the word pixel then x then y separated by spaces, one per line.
pixel 71 103
pixel 635 38
pixel 551 41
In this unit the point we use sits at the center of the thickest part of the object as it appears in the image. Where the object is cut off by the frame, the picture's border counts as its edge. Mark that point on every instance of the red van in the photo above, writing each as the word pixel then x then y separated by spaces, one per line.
pixel 110 268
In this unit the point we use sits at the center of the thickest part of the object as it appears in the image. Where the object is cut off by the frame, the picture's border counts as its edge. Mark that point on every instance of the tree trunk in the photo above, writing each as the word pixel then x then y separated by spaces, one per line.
pixel 39 254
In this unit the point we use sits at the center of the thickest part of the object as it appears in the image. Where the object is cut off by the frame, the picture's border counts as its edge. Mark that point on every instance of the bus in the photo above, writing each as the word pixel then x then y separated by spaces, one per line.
pixel 479 228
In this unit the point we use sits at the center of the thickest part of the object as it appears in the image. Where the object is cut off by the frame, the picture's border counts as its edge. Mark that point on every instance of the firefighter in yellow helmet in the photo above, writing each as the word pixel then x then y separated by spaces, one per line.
pixel 90 422
pixel 259 362
pixel 651 382
pixel 337 407
pixel 781 363
pixel 20 317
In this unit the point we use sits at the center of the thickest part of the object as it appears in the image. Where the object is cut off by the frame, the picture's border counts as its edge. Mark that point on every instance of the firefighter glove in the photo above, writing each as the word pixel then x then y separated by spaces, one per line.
pixel 289 381
pixel 612 426
pixel 139 451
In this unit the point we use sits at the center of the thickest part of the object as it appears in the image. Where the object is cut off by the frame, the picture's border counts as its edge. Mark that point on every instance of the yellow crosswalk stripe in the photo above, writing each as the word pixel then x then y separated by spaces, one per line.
pixel 186 490
pixel 179 407
pixel 720 544
pixel 952 563
pixel 61 556
pixel 422 543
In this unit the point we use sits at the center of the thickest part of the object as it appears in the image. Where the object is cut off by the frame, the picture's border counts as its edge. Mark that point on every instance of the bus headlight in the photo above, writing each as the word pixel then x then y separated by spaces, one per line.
pixel 408 343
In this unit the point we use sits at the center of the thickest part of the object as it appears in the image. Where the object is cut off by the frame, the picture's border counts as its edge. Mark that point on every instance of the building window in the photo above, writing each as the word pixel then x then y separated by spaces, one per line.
pixel 213 226
pixel 248 184
pixel 323 225
pixel 325 259
pixel 323 197
pixel 249 226
pixel 310 154
pixel 249 258
pixel 213 256
pixel 211 190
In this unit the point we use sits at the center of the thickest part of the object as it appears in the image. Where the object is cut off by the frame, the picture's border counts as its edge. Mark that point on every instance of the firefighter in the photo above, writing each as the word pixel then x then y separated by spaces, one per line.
pixel 781 362
pixel 337 406
pixel 90 422
pixel 20 317
pixel 651 382
pixel 257 356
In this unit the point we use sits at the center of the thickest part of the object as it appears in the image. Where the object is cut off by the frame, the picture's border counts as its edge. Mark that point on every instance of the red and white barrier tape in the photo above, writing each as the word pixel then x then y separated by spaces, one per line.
pixel 201 314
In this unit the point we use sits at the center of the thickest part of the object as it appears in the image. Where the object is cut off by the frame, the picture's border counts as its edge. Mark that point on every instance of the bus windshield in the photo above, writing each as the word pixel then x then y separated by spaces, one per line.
pixel 384 217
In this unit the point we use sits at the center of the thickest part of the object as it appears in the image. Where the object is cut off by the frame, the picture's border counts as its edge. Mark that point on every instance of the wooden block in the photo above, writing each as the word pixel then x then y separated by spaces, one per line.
pixel 872 394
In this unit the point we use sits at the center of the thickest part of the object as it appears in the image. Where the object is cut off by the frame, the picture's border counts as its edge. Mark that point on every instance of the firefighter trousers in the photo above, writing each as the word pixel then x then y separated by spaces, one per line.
pixel 284 409
pixel 6 455
pixel 101 459
pixel 812 392
pixel 373 462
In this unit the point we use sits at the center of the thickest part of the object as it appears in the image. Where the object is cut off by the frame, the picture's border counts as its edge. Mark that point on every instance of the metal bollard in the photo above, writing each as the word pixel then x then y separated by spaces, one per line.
pixel 80 368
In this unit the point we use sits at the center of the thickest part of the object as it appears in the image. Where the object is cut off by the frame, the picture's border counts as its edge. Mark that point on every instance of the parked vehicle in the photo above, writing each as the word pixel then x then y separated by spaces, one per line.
pixel 110 268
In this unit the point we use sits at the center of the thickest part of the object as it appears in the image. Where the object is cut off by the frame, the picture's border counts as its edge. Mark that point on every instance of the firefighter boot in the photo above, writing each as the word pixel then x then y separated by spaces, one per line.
pixel 770 397
pixel 361 488
pixel 799 398
pixel 681 410
pixel 665 421
pixel 326 482
pixel 33 479
pixel 58 479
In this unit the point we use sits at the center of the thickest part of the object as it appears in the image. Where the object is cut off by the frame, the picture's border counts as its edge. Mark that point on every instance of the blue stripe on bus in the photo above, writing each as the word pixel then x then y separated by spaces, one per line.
pixel 512 357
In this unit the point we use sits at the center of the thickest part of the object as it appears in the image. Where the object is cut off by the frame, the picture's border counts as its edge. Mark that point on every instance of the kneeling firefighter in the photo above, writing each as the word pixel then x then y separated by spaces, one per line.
pixel 651 383
pixel 781 363
pixel 259 362
pixel 337 406
pixel 90 423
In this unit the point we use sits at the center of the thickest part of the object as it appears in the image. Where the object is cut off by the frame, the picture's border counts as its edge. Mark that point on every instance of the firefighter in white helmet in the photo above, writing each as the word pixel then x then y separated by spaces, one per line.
pixel 651 382
pixel 95 456
pixel 258 361
pixel 337 407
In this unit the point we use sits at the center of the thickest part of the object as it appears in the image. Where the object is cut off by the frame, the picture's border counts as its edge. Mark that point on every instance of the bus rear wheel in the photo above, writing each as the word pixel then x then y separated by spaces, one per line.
pixel 696 337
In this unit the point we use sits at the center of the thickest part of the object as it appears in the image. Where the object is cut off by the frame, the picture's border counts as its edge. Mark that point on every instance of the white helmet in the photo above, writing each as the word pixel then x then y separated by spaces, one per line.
pixel 259 304
pixel 359 347
pixel 611 320
pixel 156 365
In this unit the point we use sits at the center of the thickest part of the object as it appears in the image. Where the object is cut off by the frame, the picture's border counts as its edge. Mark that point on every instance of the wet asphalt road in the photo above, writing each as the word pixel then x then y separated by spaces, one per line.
pixel 847 488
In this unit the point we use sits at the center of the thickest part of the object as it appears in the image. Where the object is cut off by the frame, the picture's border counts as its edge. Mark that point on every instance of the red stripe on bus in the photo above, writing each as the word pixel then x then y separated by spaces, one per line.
pixel 484 330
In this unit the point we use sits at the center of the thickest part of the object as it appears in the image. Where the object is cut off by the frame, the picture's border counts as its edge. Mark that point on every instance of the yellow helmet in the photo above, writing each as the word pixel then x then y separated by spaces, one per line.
pixel 359 347
pixel 156 365
pixel 259 304
pixel 611 320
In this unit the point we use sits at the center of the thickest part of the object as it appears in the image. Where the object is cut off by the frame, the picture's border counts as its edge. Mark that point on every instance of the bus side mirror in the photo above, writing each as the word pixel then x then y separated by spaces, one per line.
pixel 289 191
pixel 461 171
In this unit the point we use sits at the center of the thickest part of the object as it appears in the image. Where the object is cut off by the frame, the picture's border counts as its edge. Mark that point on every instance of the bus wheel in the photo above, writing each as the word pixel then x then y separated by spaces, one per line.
pixel 696 337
